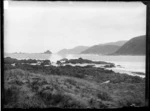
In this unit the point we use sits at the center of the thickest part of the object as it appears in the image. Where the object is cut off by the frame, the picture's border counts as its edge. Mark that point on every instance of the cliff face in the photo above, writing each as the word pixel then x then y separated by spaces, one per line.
pixel 135 46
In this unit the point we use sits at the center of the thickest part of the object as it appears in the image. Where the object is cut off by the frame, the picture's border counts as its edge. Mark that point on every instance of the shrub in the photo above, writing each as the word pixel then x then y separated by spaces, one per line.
pixel 104 96
pixel 11 95
pixel 30 102
pixel 70 81
pixel 94 103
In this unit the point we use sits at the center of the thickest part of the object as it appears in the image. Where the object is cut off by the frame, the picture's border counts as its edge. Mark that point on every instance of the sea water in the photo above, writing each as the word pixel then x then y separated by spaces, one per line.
pixel 128 64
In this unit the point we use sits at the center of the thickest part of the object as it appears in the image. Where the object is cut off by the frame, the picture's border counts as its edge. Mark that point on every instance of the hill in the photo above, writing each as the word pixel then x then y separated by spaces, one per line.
pixel 47 52
pixel 75 50
pixel 135 46
pixel 106 48
pixel 101 49
pixel 118 43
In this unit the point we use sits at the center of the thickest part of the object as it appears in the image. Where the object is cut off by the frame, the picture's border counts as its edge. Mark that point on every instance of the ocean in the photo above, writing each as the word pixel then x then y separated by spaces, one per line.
pixel 128 64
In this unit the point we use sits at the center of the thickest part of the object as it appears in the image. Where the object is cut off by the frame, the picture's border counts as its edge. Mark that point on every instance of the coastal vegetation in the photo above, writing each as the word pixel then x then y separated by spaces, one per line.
pixel 41 86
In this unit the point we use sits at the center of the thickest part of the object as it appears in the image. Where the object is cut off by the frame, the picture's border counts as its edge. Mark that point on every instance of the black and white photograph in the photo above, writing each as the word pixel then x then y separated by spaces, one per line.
pixel 73 54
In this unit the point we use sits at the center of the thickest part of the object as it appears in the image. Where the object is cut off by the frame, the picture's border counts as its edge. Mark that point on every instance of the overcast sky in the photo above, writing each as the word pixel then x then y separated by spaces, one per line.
pixel 38 26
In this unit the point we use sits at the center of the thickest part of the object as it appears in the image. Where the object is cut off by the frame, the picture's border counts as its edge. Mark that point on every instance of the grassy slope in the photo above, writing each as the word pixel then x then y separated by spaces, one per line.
pixel 24 89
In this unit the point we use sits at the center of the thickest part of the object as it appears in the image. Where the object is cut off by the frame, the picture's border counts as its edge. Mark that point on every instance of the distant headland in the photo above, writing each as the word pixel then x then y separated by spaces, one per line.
pixel 47 52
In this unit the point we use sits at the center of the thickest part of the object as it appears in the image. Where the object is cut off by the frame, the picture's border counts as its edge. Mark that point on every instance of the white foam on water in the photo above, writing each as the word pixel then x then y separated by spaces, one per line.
pixel 71 56
pixel 118 70
pixel 55 57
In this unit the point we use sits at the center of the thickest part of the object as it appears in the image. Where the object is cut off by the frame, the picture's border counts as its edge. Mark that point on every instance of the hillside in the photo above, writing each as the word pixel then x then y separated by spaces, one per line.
pixel 135 46
pixel 118 43
pixel 47 52
pixel 75 50
pixel 101 49
pixel 106 48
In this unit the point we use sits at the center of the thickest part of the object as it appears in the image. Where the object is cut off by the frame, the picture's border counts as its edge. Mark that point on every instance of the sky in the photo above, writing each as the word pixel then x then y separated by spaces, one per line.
pixel 34 27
